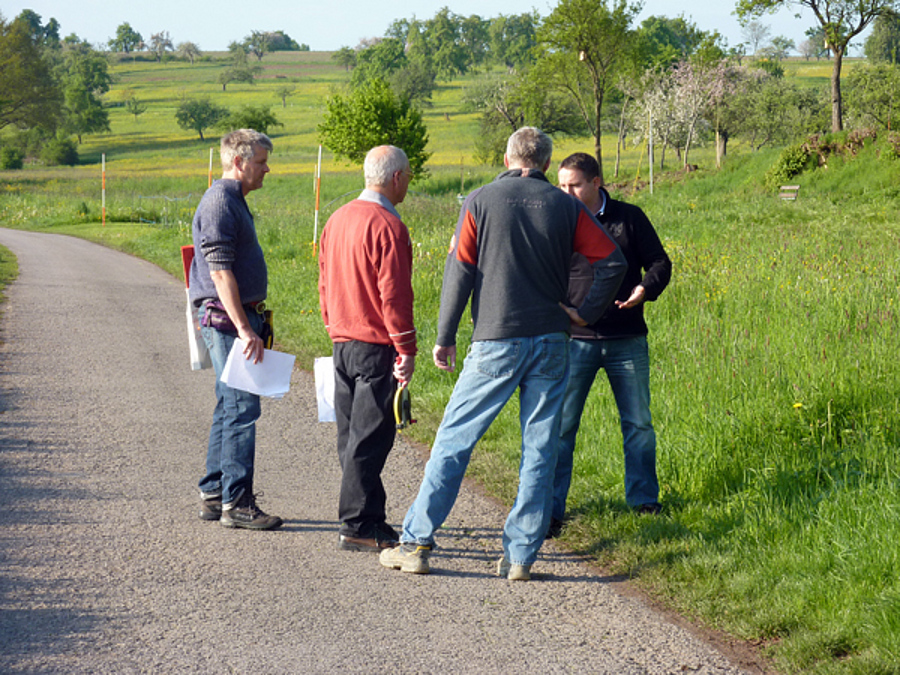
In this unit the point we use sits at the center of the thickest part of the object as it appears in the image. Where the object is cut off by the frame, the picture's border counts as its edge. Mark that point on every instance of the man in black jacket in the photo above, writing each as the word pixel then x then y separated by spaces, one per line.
pixel 617 342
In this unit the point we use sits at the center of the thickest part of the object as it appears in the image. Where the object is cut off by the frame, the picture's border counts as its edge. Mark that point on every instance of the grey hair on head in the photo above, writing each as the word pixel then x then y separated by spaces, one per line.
pixel 382 163
pixel 529 147
pixel 242 143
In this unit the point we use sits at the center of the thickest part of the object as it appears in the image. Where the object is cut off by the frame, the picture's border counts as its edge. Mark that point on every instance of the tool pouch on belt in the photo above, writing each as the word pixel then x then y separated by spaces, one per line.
pixel 216 317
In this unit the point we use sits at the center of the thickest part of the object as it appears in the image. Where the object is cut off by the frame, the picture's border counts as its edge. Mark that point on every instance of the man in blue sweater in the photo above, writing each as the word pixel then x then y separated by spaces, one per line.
pixel 228 285
pixel 617 342
pixel 510 254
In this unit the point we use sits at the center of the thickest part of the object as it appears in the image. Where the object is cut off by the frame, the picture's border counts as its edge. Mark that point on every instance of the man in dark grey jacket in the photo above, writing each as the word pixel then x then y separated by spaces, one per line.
pixel 617 342
pixel 228 284
pixel 510 253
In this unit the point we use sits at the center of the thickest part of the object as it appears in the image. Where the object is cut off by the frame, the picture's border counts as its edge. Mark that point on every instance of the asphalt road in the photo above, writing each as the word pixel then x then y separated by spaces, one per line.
pixel 106 568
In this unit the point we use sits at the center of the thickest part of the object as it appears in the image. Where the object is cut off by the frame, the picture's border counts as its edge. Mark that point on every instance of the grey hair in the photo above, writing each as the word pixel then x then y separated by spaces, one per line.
pixel 529 147
pixel 382 163
pixel 242 143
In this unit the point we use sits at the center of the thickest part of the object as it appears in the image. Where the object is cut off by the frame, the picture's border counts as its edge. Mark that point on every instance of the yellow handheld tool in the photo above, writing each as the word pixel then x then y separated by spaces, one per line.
pixel 402 407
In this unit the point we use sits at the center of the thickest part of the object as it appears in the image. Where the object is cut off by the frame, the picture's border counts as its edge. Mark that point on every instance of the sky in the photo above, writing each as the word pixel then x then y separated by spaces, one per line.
pixel 327 25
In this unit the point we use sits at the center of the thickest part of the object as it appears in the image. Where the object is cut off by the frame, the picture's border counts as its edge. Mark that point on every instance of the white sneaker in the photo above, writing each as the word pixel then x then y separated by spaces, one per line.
pixel 512 571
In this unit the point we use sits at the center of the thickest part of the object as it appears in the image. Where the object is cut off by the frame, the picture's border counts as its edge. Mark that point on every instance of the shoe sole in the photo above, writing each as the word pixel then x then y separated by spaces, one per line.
pixel 346 546
pixel 417 566
pixel 236 524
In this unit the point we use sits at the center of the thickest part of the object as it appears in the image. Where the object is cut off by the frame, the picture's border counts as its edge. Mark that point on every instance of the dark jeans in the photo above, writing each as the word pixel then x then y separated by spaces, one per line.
pixel 364 389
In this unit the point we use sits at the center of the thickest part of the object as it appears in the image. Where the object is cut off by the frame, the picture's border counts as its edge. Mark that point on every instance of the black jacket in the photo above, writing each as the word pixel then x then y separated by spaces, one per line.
pixel 648 265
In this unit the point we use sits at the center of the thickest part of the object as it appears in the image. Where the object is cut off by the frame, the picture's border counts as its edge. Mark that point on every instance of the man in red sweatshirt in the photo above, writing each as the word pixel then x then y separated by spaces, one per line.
pixel 366 298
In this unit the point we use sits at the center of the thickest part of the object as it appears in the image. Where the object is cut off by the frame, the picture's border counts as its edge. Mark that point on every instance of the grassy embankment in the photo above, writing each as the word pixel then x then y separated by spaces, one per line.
pixel 774 351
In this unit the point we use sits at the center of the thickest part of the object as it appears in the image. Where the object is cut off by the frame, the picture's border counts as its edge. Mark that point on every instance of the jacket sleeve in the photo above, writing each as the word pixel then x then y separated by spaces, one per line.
pixel 459 277
pixel 608 265
pixel 395 287
pixel 653 257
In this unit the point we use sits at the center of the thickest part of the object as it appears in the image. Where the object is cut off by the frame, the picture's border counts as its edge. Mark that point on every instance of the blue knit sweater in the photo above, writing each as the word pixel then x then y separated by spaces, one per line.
pixel 225 239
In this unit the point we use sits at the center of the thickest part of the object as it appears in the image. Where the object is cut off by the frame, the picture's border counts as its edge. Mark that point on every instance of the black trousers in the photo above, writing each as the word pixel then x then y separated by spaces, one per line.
pixel 364 387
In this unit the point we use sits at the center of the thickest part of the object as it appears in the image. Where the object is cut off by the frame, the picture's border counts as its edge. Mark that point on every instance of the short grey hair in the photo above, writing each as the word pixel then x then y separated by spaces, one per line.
pixel 382 162
pixel 242 143
pixel 529 147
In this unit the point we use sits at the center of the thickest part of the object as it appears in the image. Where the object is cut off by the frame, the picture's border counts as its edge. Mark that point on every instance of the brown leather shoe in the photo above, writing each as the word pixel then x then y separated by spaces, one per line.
pixel 372 545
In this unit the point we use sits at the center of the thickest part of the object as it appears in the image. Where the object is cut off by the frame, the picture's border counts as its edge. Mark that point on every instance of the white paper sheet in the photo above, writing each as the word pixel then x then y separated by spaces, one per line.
pixel 271 377
pixel 323 367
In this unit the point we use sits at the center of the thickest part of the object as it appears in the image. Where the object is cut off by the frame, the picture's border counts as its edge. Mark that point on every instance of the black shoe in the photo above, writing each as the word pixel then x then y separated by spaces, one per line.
pixel 651 509
pixel 373 544
pixel 556 528
pixel 386 532
pixel 247 515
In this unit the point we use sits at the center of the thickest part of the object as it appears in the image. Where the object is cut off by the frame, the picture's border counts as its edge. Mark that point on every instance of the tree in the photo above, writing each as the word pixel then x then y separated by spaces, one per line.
pixel 664 41
pixel 29 95
pixel 345 57
pixel 512 39
pixel 127 39
pixel 584 44
pixel 160 44
pixel 279 41
pixel 841 20
pixel 883 44
pixel 873 94
pixel 84 77
pixel 259 118
pixel 756 34
pixel 782 47
pixel 258 43
pixel 198 114
pixel 238 74
pixel 135 107
pixel 189 51
pixel 283 92
pixel 374 115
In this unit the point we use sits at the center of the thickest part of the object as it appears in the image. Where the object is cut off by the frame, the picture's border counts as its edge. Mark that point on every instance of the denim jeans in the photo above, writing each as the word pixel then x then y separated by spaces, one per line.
pixel 492 372
pixel 364 387
pixel 232 436
pixel 627 365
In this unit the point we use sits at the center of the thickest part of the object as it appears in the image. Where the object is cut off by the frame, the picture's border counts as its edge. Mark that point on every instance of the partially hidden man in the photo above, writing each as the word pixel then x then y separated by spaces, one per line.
pixel 228 284
pixel 366 299
pixel 510 254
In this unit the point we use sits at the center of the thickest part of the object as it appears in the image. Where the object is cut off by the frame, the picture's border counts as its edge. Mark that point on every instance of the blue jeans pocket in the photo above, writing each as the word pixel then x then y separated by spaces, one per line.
pixel 553 357
pixel 495 358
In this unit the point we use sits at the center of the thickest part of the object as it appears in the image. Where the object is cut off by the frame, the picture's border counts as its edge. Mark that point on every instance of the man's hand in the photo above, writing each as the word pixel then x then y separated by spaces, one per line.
pixel 444 357
pixel 254 348
pixel 636 298
pixel 574 316
pixel 404 366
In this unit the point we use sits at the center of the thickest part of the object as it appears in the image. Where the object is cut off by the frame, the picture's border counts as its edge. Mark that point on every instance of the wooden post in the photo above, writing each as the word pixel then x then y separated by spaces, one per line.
pixel 318 187
pixel 103 190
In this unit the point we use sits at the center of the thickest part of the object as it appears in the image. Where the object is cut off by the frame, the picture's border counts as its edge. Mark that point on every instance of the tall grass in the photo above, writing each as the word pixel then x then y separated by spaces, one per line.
pixel 774 375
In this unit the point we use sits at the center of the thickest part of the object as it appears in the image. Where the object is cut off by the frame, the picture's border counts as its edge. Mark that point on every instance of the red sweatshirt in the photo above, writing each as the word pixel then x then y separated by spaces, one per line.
pixel 365 277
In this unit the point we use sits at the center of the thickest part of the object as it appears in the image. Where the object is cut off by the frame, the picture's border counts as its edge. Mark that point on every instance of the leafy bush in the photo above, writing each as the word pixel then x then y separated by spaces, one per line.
pixel 11 158
pixel 792 161
pixel 60 151
pixel 259 118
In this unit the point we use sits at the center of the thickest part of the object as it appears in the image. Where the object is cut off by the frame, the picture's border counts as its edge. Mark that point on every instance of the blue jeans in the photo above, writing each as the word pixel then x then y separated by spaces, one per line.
pixel 232 436
pixel 627 365
pixel 492 372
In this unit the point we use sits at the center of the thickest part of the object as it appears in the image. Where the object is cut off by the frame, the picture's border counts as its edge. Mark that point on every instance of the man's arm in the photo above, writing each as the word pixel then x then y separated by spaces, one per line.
pixel 608 267
pixel 229 295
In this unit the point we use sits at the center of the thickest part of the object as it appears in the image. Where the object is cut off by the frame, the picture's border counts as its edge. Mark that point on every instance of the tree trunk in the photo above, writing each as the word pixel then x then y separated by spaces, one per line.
pixel 721 147
pixel 598 146
pixel 837 111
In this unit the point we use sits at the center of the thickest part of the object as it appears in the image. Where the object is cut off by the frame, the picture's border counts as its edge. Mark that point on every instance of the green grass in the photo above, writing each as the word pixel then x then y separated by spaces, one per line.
pixel 774 370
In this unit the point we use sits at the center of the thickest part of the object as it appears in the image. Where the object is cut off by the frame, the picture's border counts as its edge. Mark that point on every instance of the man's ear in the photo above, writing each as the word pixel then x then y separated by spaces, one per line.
pixel 546 166
pixel 505 160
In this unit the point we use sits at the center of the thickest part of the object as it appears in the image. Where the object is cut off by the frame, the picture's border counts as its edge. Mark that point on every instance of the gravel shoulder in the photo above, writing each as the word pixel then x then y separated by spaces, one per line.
pixel 105 567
